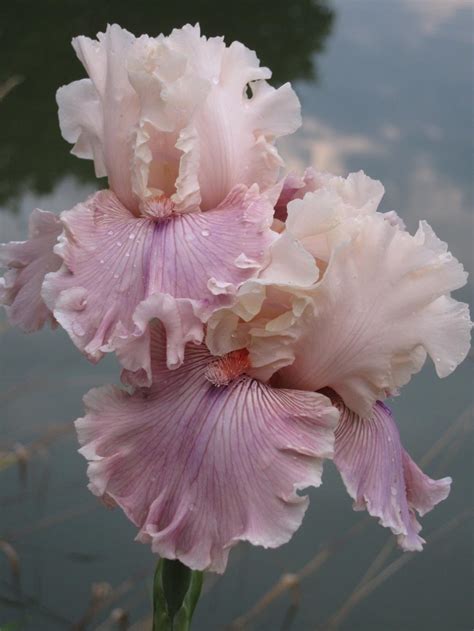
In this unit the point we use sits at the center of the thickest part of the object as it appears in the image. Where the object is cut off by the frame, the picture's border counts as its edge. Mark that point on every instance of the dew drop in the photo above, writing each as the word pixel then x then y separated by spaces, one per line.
pixel 127 254
pixel 102 261
pixel 110 233
pixel 77 329
pixel 131 236
pixel 119 243
pixel 116 276
pixel 205 233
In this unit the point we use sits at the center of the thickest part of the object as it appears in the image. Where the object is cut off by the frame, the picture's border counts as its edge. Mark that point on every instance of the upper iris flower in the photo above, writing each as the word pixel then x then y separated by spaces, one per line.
pixel 184 129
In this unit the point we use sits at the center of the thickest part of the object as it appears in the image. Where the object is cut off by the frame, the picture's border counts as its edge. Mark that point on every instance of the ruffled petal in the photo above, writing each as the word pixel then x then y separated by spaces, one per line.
pixel 121 271
pixel 271 337
pixel 27 263
pixel 171 116
pixel 80 120
pixel 198 467
pixel 295 187
pixel 100 114
pixel 265 316
pixel 382 304
pixel 235 132
pixel 380 475
pixel 324 218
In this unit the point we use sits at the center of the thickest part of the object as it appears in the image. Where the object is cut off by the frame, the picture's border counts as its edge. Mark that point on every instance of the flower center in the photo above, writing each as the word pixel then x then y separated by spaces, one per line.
pixel 157 207
pixel 223 370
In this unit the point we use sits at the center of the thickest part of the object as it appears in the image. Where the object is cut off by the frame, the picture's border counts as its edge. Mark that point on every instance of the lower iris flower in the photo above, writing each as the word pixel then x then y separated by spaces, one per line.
pixel 207 456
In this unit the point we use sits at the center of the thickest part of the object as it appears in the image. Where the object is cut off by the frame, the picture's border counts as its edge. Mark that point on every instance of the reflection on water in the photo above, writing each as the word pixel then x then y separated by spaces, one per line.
pixel 393 98
pixel 36 58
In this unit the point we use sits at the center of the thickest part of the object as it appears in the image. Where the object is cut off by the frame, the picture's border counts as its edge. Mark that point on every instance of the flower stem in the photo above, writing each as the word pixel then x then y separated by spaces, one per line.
pixel 176 591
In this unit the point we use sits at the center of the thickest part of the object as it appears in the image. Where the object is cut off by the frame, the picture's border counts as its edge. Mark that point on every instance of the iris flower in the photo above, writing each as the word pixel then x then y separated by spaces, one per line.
pixel 381 305
pixel 261 321
pixel 184 129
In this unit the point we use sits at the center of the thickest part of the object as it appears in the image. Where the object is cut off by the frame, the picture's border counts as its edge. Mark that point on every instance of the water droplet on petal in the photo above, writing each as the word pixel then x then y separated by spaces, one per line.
pixel 119 243
pixel 102 261
pixel 110 233
pixel 131 236
pixel 116 276
pixel 205 233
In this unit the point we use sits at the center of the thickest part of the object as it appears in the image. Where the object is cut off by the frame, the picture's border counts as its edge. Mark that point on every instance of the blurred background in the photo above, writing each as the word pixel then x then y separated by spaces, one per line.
pixel 385 86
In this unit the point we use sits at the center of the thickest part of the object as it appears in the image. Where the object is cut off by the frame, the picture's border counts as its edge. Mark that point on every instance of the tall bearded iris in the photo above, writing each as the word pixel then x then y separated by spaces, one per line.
pixel 261 321
pixel 184 129
pixel 381 305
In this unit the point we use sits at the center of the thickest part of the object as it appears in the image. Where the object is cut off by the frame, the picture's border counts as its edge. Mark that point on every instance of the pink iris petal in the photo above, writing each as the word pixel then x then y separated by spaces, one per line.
pixel 295 187
pixel 381 477
pixel 27 263
pixel 171 115
pixel 355 194
pixel 198 467
pixel 323 218
pixel 98 114
pixel 382 304
pixel 121 271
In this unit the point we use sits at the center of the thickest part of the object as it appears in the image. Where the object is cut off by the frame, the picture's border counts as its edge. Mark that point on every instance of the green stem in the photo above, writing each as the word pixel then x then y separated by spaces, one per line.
pixel 176 591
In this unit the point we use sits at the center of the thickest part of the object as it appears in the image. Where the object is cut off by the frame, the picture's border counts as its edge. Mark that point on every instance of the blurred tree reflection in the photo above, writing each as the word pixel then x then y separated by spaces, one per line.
pixel 36 58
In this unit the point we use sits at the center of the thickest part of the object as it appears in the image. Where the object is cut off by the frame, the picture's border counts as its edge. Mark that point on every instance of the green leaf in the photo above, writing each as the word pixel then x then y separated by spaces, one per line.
pixel 176 591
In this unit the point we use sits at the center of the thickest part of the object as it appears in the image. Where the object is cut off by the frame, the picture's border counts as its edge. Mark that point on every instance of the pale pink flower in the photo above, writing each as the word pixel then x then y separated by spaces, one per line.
pixel 184 128
pixel 315 306
pixel 381 305
pixel 207 456
pixel 28 262
pixel 181 116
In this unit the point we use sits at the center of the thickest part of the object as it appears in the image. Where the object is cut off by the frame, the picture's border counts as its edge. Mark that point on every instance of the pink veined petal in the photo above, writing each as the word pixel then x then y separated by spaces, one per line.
pixel 198 467
pixel 382 304
pixel 380 475
pixel 27 263
pixel 99 114
pixel 121 271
